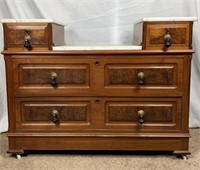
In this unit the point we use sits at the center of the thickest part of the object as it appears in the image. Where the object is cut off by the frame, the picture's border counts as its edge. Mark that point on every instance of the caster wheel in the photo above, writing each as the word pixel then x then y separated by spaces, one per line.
pixel 184 157
pixel 18 156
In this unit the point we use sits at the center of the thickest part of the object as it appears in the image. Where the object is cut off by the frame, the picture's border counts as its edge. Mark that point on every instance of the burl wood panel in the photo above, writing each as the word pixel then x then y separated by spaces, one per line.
pixel 37 75
pixel 154 75
pixel 15 34
pixel 66 112
pixel 154 32
pixel 178 35
pixel 36 114
pixel 129 112
pixel 162 114
pixel 37 36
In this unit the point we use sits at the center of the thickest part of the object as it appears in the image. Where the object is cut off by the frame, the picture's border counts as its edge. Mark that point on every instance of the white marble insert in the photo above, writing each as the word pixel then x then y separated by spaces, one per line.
pixel 149 19
pixel 30 20
pixel 108 47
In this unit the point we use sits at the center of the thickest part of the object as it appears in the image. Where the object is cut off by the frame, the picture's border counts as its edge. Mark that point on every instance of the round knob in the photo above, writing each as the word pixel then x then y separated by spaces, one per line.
pixel 52 80
pixel 141 77
pixel 141 114
pixel 54 114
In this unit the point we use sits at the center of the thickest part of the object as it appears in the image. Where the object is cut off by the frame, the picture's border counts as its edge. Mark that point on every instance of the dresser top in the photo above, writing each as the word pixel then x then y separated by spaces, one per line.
pixel 91 48
pixel 30 21
pixel 153 19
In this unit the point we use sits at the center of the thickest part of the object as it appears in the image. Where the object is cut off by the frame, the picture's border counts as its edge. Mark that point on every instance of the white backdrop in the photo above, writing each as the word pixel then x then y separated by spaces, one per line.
pixel 103 22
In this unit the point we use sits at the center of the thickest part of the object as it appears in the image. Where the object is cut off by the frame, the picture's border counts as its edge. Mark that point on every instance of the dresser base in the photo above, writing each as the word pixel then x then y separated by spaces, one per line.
pixel 178 145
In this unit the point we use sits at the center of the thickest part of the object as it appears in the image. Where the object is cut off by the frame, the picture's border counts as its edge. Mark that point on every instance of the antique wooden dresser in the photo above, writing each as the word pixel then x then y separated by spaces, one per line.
pixel 94 99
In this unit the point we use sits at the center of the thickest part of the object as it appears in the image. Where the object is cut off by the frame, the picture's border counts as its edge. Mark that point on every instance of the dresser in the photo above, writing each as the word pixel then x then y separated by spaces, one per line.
pixel 114 99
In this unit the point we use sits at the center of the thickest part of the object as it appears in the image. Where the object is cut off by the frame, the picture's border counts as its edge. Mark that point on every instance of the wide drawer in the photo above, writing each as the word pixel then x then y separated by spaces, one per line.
pixel 98 115
pixel 110 76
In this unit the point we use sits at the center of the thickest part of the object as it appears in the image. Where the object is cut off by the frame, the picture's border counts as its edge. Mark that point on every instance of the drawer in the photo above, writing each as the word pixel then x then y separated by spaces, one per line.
pixel 32 35
pixel 130 76
pixel 52 76
pixel 143 115
pixel 144 76
pixel 153 35
pixel 53 114
pixel 98 115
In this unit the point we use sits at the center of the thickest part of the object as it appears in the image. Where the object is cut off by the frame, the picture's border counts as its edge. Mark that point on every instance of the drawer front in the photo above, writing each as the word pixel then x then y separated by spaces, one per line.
pixel 56 76
pixel 98 115
pixel 181 34
pixel 152 75
pixel 38 32
pixel 143 77
pixel 143 115
pixel 110 76
pixel 52 114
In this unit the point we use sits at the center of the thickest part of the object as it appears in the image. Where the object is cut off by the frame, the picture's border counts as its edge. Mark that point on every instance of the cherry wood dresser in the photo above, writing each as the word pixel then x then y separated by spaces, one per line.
pixel 95 99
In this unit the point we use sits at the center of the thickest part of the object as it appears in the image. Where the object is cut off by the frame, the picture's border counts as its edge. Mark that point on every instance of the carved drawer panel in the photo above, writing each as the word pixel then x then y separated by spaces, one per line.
pixel 51 76
pixel 51 114
pixel 135 78
pixel 144 114
pixel 41 74
pixel 153 75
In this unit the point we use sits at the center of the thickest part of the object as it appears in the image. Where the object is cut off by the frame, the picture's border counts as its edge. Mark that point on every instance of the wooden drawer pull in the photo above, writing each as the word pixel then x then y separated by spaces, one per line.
pixel 54 114
pixel 141 114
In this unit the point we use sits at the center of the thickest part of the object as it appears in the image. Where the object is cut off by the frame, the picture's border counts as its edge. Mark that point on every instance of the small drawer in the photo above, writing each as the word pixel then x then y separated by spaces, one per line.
pixel 52 114
pixel 143 115
pixel 163 35
pixel 32 36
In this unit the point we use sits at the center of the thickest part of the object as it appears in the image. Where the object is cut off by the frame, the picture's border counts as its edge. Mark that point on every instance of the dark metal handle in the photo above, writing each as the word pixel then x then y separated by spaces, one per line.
pixel 52 79
pixel 141 77
pixel 27 40
pixel 141 114
pixel 54 114
pixel 167 39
